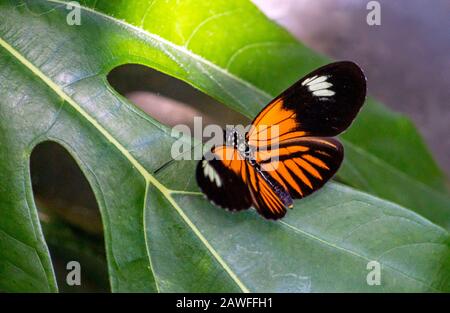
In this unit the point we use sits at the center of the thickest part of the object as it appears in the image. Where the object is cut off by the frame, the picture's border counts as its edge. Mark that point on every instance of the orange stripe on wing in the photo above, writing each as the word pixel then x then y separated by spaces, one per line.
pixel 253 178
pixel 275 138
pixel 276 202
pixel 288 178
pixel 315 161
pixel 275 154
pixel 308 167
pixel 297 171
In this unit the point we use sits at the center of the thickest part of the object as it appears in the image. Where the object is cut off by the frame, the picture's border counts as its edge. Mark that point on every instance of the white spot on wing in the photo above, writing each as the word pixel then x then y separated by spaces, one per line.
pixel 323 93
pixel 319 86
pixel 306 81
pixel 211 173
pixel 323 85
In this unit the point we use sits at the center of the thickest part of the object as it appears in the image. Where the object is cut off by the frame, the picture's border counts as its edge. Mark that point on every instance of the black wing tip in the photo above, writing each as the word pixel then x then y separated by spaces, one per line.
pixel 352 67
pixel 355 70
pixel 355 84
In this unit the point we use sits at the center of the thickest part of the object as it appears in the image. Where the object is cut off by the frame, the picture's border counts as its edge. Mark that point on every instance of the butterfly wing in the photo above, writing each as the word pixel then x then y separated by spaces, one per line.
pixel 323 104
pixel 220 176
pixel 302 165
pixel 289 136
pixel 232 183
pixel 268 196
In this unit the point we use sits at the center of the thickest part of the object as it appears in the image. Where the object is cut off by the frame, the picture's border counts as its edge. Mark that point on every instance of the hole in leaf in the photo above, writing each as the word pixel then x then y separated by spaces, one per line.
pixel 170 100
pixel 69 216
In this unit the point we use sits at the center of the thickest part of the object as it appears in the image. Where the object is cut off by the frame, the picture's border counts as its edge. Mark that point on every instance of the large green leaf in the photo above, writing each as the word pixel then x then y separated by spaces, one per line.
pixel 160 234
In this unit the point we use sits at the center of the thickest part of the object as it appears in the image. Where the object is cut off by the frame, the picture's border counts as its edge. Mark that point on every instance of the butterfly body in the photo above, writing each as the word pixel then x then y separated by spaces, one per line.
pixel 236 139
pixel 288 152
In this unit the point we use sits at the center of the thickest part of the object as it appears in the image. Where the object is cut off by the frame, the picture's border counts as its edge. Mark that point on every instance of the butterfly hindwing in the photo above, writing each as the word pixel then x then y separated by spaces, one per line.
pixel 269 198
pixel 219 176
pixel 303 165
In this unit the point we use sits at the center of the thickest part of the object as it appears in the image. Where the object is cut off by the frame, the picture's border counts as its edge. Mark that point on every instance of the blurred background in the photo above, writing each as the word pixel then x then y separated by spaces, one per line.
pixel 406 60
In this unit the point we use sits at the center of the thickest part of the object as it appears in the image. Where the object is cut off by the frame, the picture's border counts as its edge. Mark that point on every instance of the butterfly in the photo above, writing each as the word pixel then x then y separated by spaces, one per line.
pixel 288 152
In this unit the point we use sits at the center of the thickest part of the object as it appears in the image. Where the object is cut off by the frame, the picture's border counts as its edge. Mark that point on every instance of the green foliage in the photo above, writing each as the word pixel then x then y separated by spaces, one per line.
pixel 160 233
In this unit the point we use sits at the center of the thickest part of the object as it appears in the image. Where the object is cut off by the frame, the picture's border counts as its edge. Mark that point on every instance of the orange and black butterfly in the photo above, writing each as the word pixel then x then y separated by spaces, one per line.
pixel 288 152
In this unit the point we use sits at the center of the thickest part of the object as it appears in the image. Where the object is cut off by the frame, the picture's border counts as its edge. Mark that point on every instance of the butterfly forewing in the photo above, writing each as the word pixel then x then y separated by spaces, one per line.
pixel 322 104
